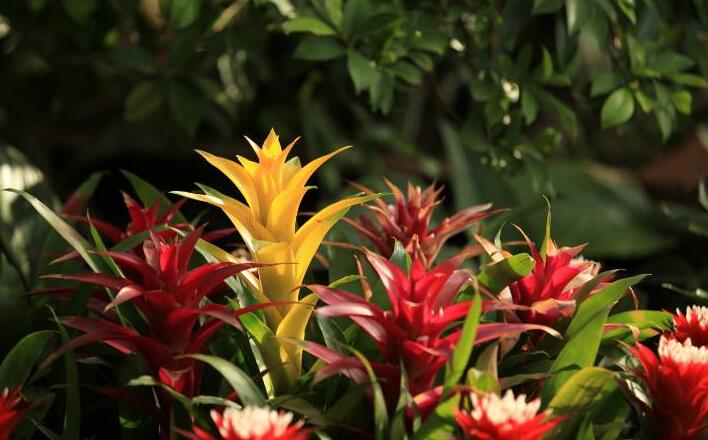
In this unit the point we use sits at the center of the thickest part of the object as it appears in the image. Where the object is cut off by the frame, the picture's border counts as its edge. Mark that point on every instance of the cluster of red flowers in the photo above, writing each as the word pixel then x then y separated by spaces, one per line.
pixel 677 379
pixel 415 334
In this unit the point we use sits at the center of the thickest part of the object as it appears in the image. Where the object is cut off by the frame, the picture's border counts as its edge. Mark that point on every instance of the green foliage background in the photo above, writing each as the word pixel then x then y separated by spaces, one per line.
pixel 501 101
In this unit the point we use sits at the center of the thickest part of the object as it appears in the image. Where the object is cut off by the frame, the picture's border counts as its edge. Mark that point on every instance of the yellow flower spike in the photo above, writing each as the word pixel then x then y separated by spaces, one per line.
pixel 273 189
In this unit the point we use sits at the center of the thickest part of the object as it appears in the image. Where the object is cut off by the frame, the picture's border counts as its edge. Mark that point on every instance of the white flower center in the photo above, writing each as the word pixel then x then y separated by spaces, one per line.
pixel 697 313
pixel 253 422
pixel 504 410
pixel 682 353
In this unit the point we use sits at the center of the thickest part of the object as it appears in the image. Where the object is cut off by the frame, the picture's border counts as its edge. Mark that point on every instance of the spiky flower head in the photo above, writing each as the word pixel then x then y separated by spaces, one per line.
pixel 273 189
pixel 549 290
pixel 171 298
pixel 12 411
pixel 505 418
pixel 254 423
pixel 693 325
pixel 408 220
pixel 677 384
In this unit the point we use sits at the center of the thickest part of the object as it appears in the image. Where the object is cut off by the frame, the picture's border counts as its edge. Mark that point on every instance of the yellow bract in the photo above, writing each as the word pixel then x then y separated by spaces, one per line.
pixel 273 189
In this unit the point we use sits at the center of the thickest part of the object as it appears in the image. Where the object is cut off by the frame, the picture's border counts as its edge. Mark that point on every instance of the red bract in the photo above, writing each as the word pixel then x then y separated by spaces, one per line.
pixel 677 383
pixel 549 290
pixel 253 423
pixel 693 325
pixel 505 418
pixel 144 218
pixel 12 411
pixel 169 296
pixel 408 221
pixel 415 332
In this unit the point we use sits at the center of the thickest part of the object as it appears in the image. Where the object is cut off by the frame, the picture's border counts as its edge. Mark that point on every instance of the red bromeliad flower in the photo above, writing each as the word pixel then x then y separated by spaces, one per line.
pixel 693 325
pixel 12 411
pixel 170 297
pixel 408 221
pixel 505 418
pixel 144 218
pixel 549 290
pixel 253 423
pixel 415 332
pixel 677 383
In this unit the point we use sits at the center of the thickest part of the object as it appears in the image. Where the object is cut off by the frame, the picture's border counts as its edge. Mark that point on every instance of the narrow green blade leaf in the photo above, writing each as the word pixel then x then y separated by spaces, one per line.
pixel 584 334
pixel 247 390
pixel 463 350
pixel 18 363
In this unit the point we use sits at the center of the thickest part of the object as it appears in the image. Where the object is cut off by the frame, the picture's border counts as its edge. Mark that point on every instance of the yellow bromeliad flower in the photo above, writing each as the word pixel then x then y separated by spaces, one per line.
pixel 273 188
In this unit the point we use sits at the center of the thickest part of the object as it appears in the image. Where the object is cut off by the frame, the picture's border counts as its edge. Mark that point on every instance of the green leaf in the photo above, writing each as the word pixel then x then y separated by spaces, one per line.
pixel 72 402
pixel 565 113
pixel 185 105
pixel 577 13
pixel 584 334
pixel 380 413
pixel 400 257
pixel 668 63
pixel 331 333
pixel 79 10
pixel 362 70
pixel 18 363
pixel 498 275
pixel 148 194
pixel 133 59
pixel 690 79
pixel 546 65
pixel 682 101
pixel 463 350
pixel 604 82
pixel 246 389
pixel 440 424
pixel 577 396
pixel 618 108
pixel 76 203
pixel 381 94
pixel 313 48
pixel 597 29
pixel 143 100
pixel 627 7
pixel 529 107
pixel 541 7
pixel 407 72
pixel 182 13
pixel 69 234
pixel 22 234
pixel 648 322
pixel 354 16
pixel 312 25
pixel 646 102
pixel 422 60
pixel 332 9
pixel 618 220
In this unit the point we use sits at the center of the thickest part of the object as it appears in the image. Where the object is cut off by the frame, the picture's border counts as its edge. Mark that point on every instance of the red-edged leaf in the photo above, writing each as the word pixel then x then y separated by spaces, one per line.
pixel 101 279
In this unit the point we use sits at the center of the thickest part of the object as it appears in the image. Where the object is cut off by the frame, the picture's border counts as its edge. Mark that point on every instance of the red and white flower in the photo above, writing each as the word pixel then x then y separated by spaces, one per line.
pixel 677 384
pixel 12 411
pixel 505 418
pixel 254 423
pixel 693 325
